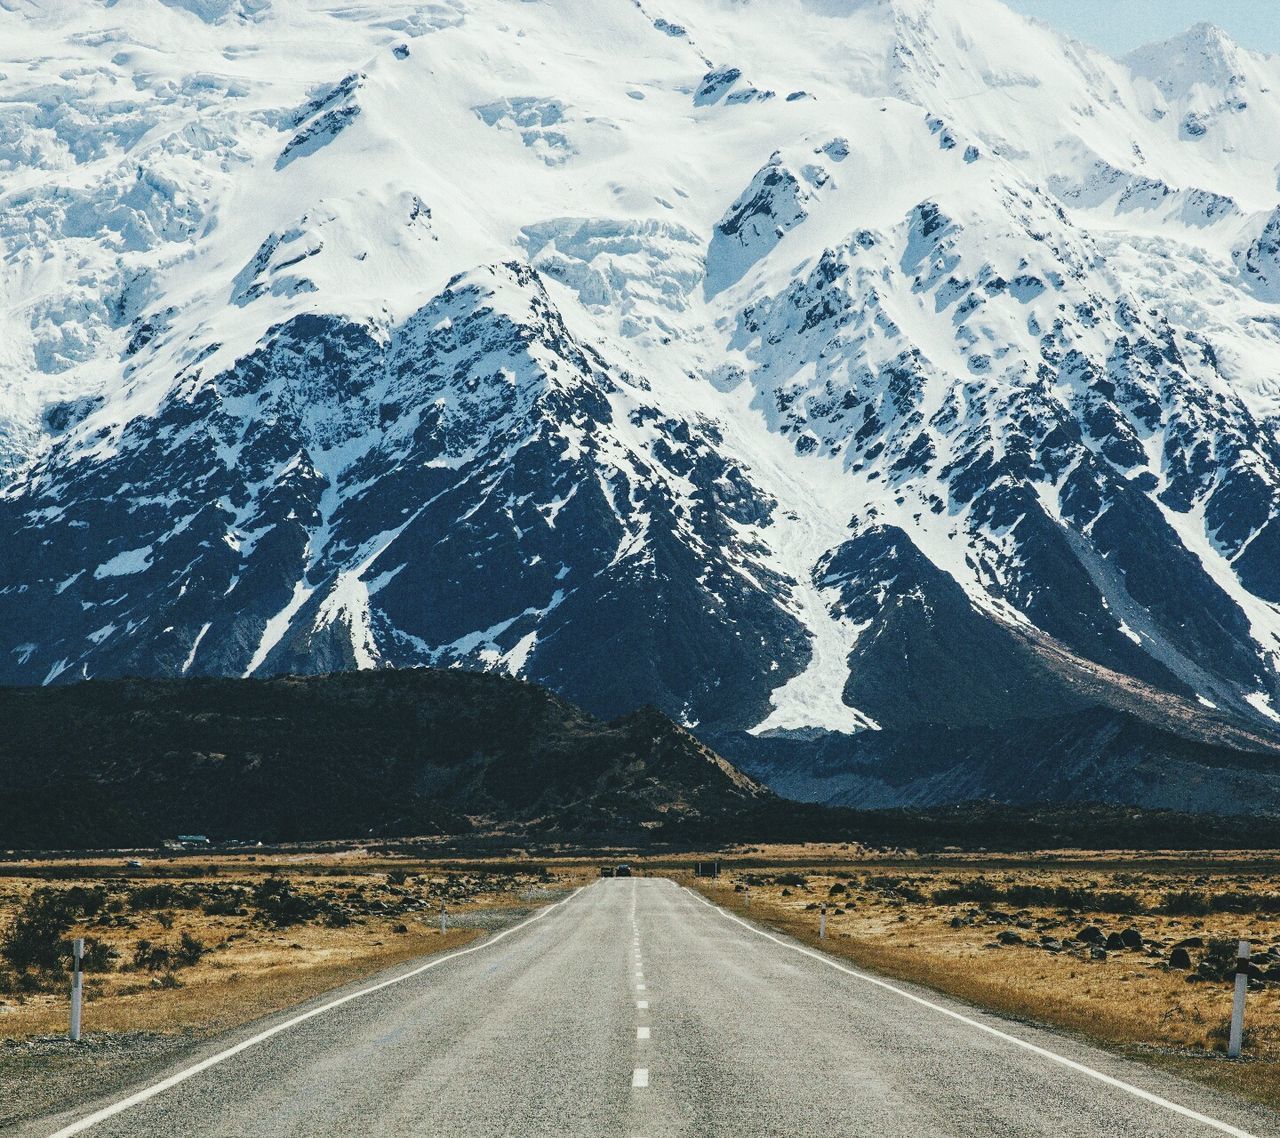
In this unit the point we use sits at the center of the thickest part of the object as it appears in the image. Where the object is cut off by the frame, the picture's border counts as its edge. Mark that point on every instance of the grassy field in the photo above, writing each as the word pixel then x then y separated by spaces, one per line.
pixel 185 947
pixel 1033 939
pixel 198 946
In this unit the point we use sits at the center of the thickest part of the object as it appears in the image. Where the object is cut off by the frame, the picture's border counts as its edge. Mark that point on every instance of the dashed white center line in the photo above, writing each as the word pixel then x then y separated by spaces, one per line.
pixel 639 987
pixel 639 974
pixel 643 1005
pixel 642 1033
pixel 640 1077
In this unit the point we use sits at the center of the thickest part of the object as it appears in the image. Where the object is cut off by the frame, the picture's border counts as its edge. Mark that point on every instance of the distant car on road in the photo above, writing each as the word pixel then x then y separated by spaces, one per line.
pixel 133 863
pixel 622 871
pixel 606 871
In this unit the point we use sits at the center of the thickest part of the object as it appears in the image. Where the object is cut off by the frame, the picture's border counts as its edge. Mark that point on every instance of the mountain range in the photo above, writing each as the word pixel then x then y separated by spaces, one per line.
pixel 884 389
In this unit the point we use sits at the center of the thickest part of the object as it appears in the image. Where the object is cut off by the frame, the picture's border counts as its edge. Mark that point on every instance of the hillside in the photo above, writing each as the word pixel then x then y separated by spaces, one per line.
pixel 421 752
pixel 908 376
pixel 1094 755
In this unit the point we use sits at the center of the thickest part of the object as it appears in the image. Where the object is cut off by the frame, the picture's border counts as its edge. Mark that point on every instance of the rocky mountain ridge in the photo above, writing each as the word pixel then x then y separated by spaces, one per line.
pixel 916 373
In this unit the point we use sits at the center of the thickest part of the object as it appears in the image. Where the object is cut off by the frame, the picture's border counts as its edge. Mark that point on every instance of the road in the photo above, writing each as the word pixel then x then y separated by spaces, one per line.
pixel 635 1009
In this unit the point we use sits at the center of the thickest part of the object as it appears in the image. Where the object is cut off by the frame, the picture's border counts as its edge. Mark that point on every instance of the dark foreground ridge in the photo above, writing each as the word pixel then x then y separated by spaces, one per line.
pixel 472 756
pixel 419 751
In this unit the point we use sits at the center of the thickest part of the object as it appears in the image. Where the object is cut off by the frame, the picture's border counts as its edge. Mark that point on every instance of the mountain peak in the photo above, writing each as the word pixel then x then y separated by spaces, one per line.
pixel 409 349
pixel 1203 55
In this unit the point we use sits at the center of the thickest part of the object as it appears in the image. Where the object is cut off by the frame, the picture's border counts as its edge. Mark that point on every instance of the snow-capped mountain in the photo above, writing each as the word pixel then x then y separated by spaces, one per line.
pixel 813 369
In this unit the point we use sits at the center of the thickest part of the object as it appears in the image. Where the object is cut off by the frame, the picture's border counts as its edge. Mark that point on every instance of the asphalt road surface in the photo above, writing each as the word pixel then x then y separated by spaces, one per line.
pixel 635 1009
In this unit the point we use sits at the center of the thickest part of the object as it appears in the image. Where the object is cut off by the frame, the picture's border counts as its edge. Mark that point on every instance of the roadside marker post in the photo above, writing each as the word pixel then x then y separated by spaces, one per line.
pixel 1237 1006
pixel 822 923
pixel 748 900
pixel 77 987
pixel 442 918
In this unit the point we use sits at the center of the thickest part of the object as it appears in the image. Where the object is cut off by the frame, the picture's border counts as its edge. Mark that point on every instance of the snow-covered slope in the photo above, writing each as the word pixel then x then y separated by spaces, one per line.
pixel 797 365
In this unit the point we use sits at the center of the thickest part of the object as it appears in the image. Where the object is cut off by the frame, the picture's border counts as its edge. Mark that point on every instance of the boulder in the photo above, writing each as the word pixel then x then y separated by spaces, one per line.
pixel 1180 959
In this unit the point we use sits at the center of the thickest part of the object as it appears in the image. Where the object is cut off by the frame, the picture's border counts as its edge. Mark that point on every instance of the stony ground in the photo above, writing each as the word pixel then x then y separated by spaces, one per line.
pixel 1138 955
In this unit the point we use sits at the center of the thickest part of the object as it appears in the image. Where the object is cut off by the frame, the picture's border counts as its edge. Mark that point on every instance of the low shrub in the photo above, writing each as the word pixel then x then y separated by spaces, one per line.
pixel 162 895
pixel 36 938
pixel 98 957
pixel 166 957
pixel 152 957
pixel 281 905
pixel 1185 903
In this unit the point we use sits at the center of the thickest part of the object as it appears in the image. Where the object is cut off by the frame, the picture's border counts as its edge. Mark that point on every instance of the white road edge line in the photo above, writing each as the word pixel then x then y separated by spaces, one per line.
pixel 1079 1068
pixel 173 1080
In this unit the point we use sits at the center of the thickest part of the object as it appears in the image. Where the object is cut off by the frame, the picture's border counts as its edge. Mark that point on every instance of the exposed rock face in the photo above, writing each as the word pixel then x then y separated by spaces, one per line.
pixel 905 411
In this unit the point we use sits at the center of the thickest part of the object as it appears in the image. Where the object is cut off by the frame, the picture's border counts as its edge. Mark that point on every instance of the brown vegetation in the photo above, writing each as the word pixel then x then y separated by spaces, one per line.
pixel 202 947
pixel 1093 951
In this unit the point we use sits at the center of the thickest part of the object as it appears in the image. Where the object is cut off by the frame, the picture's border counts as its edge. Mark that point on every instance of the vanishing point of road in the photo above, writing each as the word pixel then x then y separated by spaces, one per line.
pixel 636 1009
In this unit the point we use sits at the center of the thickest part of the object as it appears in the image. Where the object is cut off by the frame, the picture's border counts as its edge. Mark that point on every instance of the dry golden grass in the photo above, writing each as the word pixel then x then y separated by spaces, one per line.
pixel 1130 1001
pixel 889 924
pixel 249 967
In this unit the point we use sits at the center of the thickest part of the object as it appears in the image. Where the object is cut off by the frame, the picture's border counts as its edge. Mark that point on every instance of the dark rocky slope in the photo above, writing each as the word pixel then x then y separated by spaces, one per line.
pixel 411 752
pixel 1092 755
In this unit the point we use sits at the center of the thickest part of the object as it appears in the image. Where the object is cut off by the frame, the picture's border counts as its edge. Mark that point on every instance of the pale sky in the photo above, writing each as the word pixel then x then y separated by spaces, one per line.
pixel 1119 26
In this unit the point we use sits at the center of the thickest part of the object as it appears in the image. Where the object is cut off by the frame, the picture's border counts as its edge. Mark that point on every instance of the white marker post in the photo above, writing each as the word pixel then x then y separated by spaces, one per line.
pixel 77 987
pixel 442 921
pixel 1237 1007
pixel 822 923
pixel 748 901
